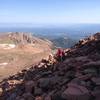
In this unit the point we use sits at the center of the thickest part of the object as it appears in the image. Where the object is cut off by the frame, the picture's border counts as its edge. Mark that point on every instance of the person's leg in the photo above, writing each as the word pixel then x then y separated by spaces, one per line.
pixel 61 58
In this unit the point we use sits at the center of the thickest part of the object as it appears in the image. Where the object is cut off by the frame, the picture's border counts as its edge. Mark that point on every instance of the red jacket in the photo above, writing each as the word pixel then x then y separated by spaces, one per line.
pixel 59 52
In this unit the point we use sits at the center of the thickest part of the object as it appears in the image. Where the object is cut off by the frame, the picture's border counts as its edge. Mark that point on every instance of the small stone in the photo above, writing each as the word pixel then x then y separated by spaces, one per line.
pixel 38 98
pixel 48 97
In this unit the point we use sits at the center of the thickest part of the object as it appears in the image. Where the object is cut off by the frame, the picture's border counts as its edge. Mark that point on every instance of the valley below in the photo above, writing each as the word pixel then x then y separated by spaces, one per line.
pixel 17 56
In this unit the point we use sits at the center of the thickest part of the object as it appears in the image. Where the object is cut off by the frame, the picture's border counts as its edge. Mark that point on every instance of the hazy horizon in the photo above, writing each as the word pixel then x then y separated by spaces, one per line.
pixel 50 16
pixel 42 25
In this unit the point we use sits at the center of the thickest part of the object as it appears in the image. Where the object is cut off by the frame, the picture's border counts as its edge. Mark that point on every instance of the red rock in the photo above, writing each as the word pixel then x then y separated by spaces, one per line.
pixel 38 98
pixel 76 92
pixel 48 97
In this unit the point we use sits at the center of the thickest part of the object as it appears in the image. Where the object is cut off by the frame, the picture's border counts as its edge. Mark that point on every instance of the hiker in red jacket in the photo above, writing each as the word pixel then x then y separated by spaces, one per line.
pixel 60 55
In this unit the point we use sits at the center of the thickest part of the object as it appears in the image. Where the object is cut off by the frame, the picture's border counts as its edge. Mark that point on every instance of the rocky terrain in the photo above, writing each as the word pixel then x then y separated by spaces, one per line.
pixel 76 78
pixel 19 50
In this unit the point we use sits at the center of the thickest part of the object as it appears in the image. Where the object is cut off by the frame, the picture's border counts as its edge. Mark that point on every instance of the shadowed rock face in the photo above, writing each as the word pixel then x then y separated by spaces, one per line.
pixel 76 78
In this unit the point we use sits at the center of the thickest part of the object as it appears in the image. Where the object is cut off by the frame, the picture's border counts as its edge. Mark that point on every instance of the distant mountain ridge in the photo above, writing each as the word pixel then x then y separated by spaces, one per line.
pixel 22 38
pixel 64 42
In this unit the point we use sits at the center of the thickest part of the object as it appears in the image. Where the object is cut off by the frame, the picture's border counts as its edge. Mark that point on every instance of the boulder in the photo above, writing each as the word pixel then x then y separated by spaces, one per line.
pixel 44 83
pixel 14 82
pixel 29 85
pixel 38 91
pixel 28 96
pixel 76 92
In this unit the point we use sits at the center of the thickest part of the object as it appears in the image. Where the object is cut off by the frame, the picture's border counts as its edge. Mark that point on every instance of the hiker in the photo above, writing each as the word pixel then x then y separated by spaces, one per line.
pixel 60 55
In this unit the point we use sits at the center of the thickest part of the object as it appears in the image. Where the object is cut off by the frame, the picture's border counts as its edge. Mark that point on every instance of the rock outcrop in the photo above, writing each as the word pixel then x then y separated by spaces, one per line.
pixel 76 78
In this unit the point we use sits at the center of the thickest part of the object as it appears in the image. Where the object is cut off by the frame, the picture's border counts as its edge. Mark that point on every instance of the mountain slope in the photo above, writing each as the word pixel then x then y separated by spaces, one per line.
pixel 18 50
pixel 76 78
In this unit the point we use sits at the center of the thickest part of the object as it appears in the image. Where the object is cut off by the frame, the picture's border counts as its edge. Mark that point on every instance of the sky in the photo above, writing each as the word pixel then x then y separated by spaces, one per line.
pixel 50 11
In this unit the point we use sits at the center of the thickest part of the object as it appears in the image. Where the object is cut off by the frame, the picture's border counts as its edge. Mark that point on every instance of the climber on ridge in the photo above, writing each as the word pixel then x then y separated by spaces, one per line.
pixel 60 55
